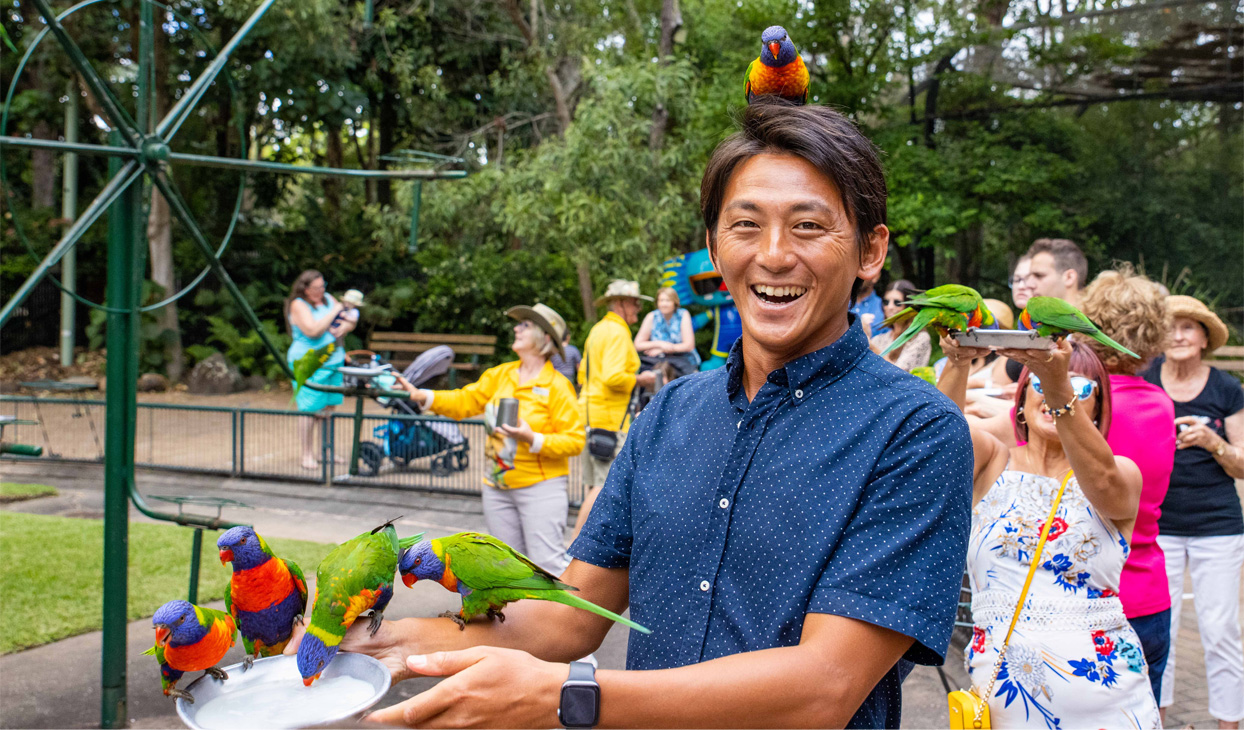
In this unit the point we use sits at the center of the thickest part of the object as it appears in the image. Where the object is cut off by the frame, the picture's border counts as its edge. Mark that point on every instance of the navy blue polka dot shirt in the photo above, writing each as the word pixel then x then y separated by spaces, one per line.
pixel 844 487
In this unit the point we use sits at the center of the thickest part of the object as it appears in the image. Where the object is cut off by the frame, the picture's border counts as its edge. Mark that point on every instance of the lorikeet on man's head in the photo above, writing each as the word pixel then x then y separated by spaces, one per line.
pixel 949 307
pixel 266 595
pixel 779 71
pixel 489 574
pixel 190 638
pixel 1052 317
pixel 355 579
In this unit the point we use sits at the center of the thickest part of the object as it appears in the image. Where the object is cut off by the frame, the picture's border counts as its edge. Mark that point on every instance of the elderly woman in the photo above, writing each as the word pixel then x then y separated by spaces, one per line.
pixel 666 335
pixel 525 499
pixel 310 311
pixel 915 352
pixel 1073 661
pixel 1201 528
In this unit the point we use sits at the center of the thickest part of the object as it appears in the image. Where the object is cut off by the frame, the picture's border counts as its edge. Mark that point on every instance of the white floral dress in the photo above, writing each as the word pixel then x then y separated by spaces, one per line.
pixel 1073 661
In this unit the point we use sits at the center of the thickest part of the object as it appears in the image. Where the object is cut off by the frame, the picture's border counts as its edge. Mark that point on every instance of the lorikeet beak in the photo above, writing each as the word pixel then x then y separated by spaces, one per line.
pixel 409 579
pixel 226 555
pixel 162 633
pixel 306 681
pixel 775 48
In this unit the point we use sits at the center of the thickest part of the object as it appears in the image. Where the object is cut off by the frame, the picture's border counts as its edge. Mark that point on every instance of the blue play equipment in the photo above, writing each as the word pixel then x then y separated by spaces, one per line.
pixel 692 275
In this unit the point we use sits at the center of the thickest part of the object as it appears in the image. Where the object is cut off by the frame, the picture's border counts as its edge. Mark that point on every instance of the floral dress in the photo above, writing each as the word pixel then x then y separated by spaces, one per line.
pixel 1074 661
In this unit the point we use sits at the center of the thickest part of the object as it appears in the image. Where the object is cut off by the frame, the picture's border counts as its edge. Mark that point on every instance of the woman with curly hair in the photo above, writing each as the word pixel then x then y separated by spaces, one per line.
pixel 1131 309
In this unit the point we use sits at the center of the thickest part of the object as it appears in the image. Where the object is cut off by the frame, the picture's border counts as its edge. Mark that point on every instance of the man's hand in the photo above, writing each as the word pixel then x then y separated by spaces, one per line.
pixel 1196 435
pixel 384 646
pixel 646 379
pixel 484 687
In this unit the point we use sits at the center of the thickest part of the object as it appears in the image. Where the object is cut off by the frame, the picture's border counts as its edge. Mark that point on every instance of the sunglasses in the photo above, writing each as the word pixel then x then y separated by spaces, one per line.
pixel 893 302
pixel 1081 386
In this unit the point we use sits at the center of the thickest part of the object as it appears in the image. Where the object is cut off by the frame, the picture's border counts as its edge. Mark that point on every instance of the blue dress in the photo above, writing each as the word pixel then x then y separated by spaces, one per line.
pixel 308 400
pixel 670 330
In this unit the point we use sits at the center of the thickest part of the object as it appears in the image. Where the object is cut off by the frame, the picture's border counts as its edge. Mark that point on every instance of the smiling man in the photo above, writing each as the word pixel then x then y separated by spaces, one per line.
pixel 791 527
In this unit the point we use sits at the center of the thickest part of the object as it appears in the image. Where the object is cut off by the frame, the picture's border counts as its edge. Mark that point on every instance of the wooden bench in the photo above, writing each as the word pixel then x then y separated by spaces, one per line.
pixel 400 348
pixel 1228 358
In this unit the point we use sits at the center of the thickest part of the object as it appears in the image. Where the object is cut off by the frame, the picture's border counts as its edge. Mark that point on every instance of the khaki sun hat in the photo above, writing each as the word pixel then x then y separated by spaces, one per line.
pixel 545 318
pixel 621 289
pixel 353 297
pixel 1181 305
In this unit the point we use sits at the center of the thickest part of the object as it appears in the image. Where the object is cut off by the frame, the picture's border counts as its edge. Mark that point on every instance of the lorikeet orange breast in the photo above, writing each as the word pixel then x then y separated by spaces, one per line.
pixel 779 70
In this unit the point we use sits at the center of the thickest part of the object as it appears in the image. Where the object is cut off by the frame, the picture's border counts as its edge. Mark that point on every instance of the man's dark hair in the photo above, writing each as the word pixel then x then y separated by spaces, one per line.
pixel 820 135
pixel 1066 255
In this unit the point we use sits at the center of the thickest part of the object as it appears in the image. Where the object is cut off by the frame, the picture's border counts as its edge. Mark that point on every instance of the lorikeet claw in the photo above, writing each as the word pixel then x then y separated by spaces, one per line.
pixel 373 624
pixel 455 618
pixel 217 673
pixel 247 663
pixel 180 694
pixel 497 614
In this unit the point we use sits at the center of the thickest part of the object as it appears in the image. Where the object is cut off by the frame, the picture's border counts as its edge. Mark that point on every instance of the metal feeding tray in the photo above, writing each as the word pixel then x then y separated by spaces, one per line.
pixel 271 694
pixel 1003 339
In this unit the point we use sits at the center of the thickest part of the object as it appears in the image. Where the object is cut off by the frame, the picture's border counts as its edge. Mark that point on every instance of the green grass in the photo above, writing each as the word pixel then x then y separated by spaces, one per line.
pixel 51 573
pixel 10 492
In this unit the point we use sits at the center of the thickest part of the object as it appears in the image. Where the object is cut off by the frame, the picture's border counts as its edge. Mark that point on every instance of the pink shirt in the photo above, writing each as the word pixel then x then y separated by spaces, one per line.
pixel 1142 428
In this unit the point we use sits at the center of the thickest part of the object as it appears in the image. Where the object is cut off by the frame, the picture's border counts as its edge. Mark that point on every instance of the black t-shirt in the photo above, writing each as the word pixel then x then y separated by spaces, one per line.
pixel 1014 368
pixel 1202 500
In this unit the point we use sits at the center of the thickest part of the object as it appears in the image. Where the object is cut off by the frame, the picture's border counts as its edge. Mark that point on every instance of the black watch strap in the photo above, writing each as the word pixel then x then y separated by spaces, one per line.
pixel 580 697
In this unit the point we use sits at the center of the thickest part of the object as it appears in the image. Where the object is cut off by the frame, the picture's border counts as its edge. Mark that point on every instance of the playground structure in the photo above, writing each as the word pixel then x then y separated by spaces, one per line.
pixel 139 155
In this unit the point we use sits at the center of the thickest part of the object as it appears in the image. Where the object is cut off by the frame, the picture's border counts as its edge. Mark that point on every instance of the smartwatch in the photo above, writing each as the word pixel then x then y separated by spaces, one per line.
pixel 580 701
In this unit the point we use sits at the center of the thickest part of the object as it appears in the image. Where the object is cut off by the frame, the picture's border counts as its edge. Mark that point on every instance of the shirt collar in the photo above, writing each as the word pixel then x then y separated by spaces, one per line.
pixel 614 316
pixel 807 374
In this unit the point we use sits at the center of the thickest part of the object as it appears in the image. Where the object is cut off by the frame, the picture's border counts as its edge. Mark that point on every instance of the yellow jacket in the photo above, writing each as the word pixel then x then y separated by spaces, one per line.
pixel 547 403
pixel 610 351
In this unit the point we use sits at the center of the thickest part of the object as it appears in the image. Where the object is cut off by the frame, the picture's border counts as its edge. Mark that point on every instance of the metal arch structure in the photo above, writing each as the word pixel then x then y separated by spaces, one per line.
pixel 141 153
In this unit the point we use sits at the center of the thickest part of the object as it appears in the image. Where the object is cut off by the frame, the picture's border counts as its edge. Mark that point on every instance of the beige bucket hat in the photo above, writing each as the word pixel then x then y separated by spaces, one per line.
pixel 621 289
pixel 545 318
pixel 353 297
pixel 1180 305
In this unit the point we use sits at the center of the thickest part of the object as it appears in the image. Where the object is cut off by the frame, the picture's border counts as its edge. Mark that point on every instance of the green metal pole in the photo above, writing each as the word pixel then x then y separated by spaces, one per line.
pixel 196 548
pixel 68 211
pixel 358 430
pixel 416 201
pixel 124 285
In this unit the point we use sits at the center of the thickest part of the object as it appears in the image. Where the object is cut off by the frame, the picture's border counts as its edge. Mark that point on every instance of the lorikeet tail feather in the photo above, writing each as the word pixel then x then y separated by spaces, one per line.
pixel 903 314
pixel 1103 339
pixel 407 542
pixel 572 600
pixel 922 320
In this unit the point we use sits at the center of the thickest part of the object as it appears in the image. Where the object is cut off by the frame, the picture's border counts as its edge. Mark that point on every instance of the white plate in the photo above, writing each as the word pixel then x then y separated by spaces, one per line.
pixel 1003 339
pixel 271 694
pixel 364 372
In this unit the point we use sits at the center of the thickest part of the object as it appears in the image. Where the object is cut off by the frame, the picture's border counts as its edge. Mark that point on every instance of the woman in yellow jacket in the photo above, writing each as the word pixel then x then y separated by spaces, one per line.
pixel 524 496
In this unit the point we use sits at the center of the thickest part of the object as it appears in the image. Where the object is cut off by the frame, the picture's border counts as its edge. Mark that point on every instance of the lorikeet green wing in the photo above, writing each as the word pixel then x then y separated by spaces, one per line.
pixel 311 360
pixel 1052 317
pixel 498 575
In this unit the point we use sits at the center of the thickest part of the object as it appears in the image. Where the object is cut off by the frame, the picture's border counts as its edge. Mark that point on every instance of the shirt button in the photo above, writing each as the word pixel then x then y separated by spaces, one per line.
pixel 704 585
pixel 724 503
pixel 798 393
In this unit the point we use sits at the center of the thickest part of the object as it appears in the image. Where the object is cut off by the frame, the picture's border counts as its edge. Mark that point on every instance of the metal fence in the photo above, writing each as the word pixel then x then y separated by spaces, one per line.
pixel 399 452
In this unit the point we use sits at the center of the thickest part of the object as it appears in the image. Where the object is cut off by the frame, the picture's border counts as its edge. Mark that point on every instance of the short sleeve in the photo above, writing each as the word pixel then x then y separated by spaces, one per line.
pixel 605 540
pixel 1233 394
pixel 900 561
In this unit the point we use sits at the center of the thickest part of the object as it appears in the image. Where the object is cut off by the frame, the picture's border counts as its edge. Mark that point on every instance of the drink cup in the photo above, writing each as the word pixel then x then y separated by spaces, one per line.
pixel 507 412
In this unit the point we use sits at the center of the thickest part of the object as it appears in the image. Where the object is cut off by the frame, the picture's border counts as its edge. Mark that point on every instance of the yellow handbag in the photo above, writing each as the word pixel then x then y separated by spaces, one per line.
pixel 967 708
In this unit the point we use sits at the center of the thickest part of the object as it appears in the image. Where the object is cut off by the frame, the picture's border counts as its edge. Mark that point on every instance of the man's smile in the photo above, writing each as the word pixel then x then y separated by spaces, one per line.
pixel 778 294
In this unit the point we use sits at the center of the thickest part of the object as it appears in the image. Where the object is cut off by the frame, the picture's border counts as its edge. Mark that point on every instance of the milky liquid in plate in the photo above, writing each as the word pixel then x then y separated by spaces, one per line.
pixel 284 703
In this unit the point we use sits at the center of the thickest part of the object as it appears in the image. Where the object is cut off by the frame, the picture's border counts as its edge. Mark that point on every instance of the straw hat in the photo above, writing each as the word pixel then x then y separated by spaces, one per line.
pixel 353 297
pixel 545 318
pixel 1001 312
pixel 621 289
pixel 1180 305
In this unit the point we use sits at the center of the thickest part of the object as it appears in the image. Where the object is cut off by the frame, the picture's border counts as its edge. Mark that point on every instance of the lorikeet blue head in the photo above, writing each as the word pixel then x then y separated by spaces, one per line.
pixel 313 656
pixel 243 546
pixel 177 623
pixel 420 563
pixel 776 49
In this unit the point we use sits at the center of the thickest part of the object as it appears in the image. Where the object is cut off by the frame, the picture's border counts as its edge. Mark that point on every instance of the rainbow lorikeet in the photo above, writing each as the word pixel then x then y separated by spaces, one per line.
pixel 355 579
pixel 779 71
pixel 190 638
pixel 311 360
pixel 489 574
pixel 948 307
pixel 1052 317
pixel 266 595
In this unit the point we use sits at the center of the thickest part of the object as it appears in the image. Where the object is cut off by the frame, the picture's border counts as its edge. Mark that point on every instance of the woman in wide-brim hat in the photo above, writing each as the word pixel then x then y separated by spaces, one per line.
pixel 525 489
pixel 1201 529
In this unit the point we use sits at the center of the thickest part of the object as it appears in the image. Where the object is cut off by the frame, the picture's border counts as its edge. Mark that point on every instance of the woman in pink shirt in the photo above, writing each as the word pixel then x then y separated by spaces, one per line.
pixel 1132 310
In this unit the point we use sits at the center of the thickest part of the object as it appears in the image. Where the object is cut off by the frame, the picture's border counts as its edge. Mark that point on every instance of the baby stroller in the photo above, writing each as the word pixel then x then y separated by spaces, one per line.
pixel 401 441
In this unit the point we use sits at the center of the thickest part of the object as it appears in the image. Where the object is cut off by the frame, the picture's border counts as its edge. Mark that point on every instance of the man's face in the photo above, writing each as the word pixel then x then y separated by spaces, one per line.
pixel 1046 280
pixel 627 309
pixel 787 252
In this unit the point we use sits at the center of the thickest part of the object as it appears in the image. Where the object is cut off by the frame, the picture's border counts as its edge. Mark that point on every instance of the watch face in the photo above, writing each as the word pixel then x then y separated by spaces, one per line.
pixel 580 705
